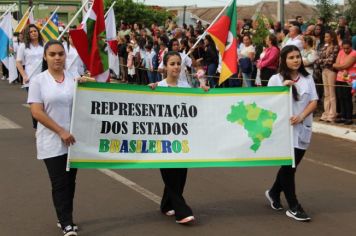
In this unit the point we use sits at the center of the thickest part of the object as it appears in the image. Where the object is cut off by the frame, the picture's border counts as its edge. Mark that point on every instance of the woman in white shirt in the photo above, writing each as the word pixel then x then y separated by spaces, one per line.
pixel 30 54
pixel 51 97
pixel 292 73
pixel 174 179
pixel 29 57
pixel 309 54
pixel 246 54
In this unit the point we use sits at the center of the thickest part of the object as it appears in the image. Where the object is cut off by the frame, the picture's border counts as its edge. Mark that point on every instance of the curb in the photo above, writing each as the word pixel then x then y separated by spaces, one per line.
pixel 348 133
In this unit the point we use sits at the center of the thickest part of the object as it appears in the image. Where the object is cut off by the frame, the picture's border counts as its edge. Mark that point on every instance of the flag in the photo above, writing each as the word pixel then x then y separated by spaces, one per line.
pixel 90 43
pixel 223 32
pixel 50 31
pixel 6 46
pixel 110 24
pixel 27 19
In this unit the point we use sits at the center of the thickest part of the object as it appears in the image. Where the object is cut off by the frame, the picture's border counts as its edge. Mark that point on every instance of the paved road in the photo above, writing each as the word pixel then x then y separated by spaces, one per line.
pixel 226 201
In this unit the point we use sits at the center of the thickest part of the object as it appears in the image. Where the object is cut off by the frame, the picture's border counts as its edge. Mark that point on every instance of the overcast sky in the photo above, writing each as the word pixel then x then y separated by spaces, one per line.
pixel 204 3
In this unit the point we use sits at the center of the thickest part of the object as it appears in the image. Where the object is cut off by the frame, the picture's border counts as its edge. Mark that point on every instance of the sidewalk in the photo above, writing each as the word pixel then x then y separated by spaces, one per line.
pixel 339 131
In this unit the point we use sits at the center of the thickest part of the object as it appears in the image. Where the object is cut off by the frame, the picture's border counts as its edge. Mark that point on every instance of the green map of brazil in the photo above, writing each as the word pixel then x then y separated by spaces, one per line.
pixel 258 122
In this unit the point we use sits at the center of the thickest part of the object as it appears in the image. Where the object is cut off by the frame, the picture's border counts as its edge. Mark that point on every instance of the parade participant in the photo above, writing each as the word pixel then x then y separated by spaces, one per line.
pixel 292 73
pixel 186 60
pixel 174 179
pixel 29 57
pixel 51 97
pixel 346 66
pixel 30 54
pixel 74 64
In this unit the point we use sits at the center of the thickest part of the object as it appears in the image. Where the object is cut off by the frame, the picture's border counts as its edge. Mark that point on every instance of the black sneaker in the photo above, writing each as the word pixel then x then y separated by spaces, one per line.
pixel 75 227
pixel 275 203
pixel 69 231
pixel 298 214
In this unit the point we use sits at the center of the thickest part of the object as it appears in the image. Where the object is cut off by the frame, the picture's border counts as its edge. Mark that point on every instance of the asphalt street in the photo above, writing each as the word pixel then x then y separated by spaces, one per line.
pixel 225 201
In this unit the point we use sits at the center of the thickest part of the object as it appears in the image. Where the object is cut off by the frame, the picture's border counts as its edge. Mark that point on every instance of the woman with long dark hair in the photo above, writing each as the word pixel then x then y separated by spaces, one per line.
pixel 327 58
pixel 211 60
pixel 292 73
pixel 30 54
pixel 51 97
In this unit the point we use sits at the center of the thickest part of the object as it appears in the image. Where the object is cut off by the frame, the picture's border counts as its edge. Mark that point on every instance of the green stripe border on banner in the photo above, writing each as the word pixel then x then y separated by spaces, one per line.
pixel 156 165
pixel 145 89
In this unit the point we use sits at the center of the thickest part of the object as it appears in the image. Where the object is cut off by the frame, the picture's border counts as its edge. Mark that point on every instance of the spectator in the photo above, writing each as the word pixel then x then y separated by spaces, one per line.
pixel 294 38
pixel 343 30
pixel 150 54
pixel 269 63
pixel 309 54
pixel 319 36
pixel 346 66
pixel 130 64
pixel 326 60
pixel 211 60
pixel 246 55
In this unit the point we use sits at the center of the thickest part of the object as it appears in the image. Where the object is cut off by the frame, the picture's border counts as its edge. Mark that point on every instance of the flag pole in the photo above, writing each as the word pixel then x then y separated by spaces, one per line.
pixel 212 23
pixel 32 8
pixel 112 5
pixel 9 9
pixel 54 12
pixel 72 20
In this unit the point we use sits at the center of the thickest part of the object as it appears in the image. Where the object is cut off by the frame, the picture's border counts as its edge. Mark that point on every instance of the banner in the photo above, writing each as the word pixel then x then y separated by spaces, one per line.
pixel 130 126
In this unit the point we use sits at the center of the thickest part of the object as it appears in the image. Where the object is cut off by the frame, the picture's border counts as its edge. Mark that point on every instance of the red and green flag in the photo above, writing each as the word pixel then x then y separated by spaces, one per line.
pixel 224 35
pixel 90 42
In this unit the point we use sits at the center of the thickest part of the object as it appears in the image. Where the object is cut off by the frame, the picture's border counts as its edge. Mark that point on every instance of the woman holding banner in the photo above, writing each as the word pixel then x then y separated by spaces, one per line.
pixel 292 73
pixel 174 179
pixel 51 97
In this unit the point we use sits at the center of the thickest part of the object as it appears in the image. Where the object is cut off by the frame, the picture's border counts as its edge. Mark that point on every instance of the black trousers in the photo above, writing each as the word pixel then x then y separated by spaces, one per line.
pixel 344 98
pixel 174 181
pixel 266 74
pixel 63 188
pixel 285 180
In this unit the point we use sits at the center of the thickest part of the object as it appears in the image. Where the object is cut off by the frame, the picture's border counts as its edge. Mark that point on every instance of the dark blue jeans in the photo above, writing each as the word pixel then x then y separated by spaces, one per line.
pixel 212 72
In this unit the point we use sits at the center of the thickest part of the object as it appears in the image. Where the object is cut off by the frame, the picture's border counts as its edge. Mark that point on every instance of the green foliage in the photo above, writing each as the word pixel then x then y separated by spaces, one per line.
pixel 326 8
pixel 259 34
pixel 350 14
pixel 131 12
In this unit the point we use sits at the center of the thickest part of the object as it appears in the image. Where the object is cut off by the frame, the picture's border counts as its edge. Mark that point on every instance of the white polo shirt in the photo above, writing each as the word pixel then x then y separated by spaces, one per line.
pixel 307 92
pixel 180 84
pixel 57 99
pixel 31 58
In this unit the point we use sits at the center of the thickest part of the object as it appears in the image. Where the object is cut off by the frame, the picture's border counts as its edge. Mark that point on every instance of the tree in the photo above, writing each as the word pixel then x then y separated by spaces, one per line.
pixel 350 14
pixel 326 9
pixel 131 12
pixel 260 34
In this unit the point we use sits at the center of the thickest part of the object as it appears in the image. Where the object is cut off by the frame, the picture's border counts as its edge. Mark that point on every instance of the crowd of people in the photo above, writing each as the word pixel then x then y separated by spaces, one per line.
pixel 298 55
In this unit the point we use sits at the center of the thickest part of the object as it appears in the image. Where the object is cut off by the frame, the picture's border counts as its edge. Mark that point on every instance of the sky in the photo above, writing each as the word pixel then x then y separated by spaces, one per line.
pixel 205 3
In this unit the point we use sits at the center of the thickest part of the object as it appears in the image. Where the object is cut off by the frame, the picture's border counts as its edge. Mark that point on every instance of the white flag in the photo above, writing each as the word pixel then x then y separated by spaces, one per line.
pixel 110 26
pixel 7 47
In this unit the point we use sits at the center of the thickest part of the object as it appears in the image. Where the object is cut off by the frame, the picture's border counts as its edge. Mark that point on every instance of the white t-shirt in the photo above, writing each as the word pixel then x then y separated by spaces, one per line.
pixel 57 99
pixel 31 58
pixel 296 42
pixel 186 62
pixel 180 84
pixel 307 92
pixel 74 64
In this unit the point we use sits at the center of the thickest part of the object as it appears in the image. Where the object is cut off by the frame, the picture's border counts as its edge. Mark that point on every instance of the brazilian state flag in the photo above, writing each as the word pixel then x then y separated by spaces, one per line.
pixel 224 35
pixel 50 31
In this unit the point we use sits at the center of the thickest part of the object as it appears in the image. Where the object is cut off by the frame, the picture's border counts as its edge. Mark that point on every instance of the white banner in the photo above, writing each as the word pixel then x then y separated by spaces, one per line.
pixel 127 126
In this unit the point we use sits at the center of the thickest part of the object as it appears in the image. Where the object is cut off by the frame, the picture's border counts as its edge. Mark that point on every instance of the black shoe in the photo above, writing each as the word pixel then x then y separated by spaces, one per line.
pixel 275 203
pixel 340 120
pixel 298 214
pixel 75 227
pixel 69 231
pixel 348 122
